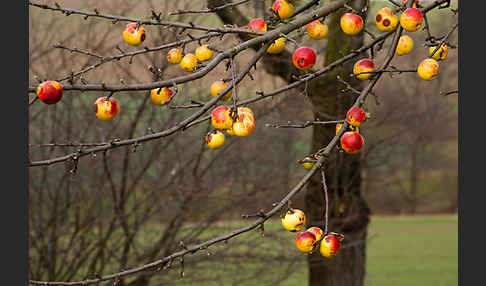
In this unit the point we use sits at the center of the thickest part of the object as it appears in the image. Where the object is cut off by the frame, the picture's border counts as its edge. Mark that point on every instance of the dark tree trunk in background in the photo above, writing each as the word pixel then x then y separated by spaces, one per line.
pixel 348 212
pixel 279 65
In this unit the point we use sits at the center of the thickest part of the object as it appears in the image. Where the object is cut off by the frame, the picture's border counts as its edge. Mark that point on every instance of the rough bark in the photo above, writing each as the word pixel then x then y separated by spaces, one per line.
pixel 348 211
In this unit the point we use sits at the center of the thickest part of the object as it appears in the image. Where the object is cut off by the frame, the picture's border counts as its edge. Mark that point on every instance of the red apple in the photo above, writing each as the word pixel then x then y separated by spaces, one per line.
pixel 221 117
pixel 304 58
pixel 351 24
pixel 352 142
pixel 257 24
pixel 411 19
pixel 355 116
pixel 106 109
pixel 363 65
pixel 305 241
pixel 330 245
pixel 49 92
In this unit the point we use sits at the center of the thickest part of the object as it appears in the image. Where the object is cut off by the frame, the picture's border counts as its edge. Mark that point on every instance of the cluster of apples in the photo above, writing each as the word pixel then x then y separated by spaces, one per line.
pixel 222 119
pixel 304 58
pixel 351 141
pixel 189 61
pixel 135 34
pixel 308 240
pixel 259 24
pixel 411 20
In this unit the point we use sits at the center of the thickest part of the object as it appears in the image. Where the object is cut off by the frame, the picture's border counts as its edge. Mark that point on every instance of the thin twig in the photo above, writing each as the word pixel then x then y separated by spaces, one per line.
pixel 302 125
pixel 235 94
pixel 324 185
pixel 69 11
pixel 444 39
pixel 211 10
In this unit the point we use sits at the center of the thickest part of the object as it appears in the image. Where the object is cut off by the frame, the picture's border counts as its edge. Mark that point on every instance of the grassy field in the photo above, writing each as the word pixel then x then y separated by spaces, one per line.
pixel 402 251
pixel 405 251
pixel 413 251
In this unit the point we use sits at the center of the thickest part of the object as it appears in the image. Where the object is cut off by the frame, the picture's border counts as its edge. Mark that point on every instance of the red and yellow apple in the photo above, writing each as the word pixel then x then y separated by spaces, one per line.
pixel 219 86
pixel 404 46
pixel 330 245
pixel 106 109
pixel 49 92
pixel 351 24
pixel 294 220
pixel 221 117
pixel 428 69
pixel 316 30
pixel 257 24
pixel 203 53
pixel 245 124
pixel 132 35
pixel 304 58
pixel 363 65
pixel 214 139
pixel 317 231
pixel 283 9
pixel 277 46
pixel 385 20
pixel 188 62
pixel 308 165
pixel 305 241
pixel 174 56
pixel 160 96
pixel 441 53
pixel 355 116
pixel 411 19
pixel 352 142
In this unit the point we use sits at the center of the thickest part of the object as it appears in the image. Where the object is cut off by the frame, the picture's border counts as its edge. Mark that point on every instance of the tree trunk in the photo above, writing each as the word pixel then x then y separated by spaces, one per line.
pixel 348 212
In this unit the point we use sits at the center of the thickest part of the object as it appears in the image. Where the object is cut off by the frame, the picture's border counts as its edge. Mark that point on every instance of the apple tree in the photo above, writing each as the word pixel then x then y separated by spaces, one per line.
pixel 135 85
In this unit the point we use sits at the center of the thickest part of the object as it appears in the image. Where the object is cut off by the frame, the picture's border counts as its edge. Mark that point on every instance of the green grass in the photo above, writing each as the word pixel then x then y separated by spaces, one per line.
pixel 401 251
pixel 404 251
pixel 413 251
